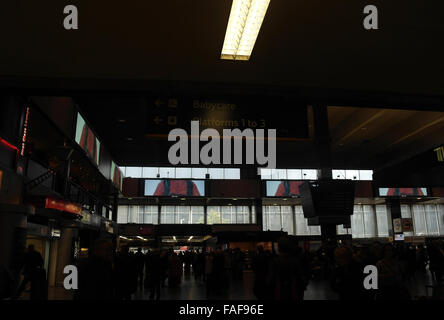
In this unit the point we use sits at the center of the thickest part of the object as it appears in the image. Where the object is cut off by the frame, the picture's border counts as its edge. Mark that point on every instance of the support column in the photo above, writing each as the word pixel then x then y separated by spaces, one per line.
pixel 258 207
pixel 64 254
pixel 115 208
pixel 393 212
pixel 322 146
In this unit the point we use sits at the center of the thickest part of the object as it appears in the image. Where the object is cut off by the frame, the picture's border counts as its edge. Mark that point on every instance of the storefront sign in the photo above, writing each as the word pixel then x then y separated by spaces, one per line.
pixel 407 225
pixel 61 205
pixel 397 225
pixel 91 219
pixel 55 233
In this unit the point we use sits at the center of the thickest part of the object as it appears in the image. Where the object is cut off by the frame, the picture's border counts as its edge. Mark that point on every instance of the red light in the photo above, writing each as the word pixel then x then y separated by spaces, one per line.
pixel 6 143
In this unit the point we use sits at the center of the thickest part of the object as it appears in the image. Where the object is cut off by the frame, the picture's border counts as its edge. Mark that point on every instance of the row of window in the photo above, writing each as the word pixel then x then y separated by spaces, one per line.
pixel 234 173
pixel 186 214
pixel 180 173
pixel 367 221
pixel 312 174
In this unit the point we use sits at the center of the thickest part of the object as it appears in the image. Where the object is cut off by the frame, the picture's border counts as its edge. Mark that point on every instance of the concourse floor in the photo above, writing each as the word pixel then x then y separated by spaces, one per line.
pixel 190 289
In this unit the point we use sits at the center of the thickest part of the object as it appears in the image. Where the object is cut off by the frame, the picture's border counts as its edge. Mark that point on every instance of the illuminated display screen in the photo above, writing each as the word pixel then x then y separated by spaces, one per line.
pixel 283 188
pixel 397 192
pixel 87 140
pixel 169 187
pixel 116 176
pixel 399 237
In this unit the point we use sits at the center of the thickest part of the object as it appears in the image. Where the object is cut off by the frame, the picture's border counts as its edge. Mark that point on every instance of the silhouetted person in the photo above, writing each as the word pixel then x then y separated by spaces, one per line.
pixel 390 275
pixel 174 270
pixel 140 264
pixel 34 272
pixel 287 273
pixel 218 271
pixel 96 275
pixel 155 274
pixel 187 260
pixel 261 269
pixel 126 274
pixel 348 277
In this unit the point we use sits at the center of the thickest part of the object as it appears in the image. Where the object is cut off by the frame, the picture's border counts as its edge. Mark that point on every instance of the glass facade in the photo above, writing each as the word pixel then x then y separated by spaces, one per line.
pixel 367 221
pixel 228 214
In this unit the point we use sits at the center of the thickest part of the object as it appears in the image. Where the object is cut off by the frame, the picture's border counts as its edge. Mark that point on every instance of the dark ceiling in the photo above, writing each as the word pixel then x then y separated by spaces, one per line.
pixel 316 43
pixel 314 50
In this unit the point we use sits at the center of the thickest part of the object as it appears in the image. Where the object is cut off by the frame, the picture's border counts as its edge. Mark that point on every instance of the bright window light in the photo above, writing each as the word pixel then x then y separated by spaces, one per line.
pixel 245 21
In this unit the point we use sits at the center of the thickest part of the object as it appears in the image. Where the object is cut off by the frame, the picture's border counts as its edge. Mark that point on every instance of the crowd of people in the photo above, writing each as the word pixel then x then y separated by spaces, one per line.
pixel 120 276
pixel 282 274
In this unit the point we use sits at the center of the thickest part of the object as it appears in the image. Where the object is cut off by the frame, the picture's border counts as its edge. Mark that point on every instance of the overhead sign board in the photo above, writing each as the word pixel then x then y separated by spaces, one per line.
pixel 258 112
pixel 56 204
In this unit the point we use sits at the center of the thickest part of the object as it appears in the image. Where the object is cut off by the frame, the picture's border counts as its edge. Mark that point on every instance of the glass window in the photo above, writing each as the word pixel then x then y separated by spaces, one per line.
pixel 314 230
pixel 352 174
pixel 183 173
pixel 440 208
pixel 274 218
pixel 227 214
pixel 231 173
pixel 216 173
pixel 214 215
pixel 294 174
pixel 369 221
pixel 357 222
pixel 122 214
pixel 242 214
pixel 338 174
pixel 406 213
pixel 150 172
pixel 167 172
pixel 141 213
pixel 123 170
pixel 309 174
pixel 382 220
pixel 419 220
pixel 167 214
pixel 366 175
pixel 150 215
pixel 301 222
pixel 341 230
pixel 198 173
pixel 197 214
pixel 282 174
pixel 266 174
pixel 287 219
pixel 183 215
pixel 431 220
pixel 253 215
pixel 133 172
pixel 133 216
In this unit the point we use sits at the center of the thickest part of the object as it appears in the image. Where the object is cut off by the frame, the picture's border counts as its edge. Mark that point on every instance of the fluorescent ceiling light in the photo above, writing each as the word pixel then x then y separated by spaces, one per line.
pixel 245 21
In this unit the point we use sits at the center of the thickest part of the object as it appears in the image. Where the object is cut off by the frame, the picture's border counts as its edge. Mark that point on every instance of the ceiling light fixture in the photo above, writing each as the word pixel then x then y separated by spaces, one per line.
pixel 245 21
